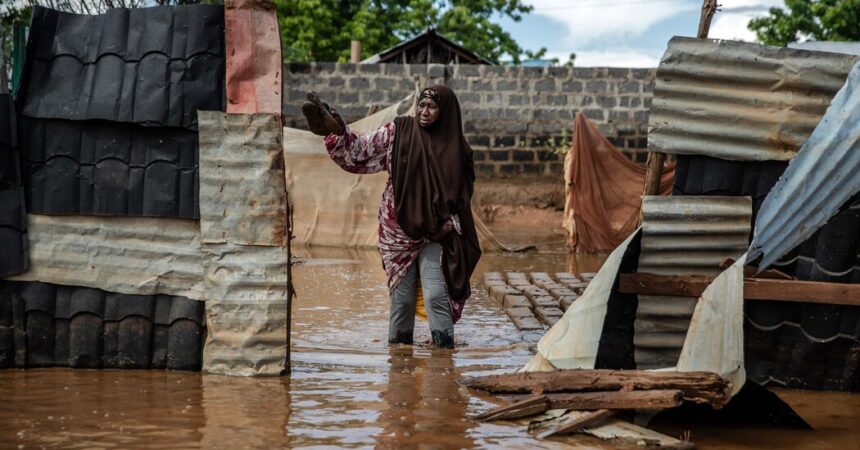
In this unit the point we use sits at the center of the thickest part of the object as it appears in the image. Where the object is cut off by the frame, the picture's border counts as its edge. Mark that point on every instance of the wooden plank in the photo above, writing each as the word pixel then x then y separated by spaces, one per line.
pixel 589 420
pixel 674 285
pixel 754 288
pixel 699 387
pixel 529 407
pixel 615 400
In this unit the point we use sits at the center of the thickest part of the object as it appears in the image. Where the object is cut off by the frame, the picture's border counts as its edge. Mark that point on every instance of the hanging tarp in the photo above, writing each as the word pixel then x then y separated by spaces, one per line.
pixel 603 190
pixel 740 101
pixel 574 341
pixel 330 206
pixel 254 62
pixel 818 181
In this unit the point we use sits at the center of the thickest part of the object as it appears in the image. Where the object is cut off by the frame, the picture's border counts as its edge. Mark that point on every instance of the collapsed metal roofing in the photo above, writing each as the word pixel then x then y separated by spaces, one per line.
pixel 682 235
pixel 810 346
pixel 818 181
pixel 740 101
pixel 149 66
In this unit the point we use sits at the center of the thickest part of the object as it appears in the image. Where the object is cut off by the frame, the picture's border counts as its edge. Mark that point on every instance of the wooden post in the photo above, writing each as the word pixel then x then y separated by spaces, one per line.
pixel 654 165
pixel 355 52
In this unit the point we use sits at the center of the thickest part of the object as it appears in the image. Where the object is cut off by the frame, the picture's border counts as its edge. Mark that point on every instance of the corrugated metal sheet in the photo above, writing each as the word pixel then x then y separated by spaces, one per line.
pixel 100 167
pixel 14 257
pixel 683 236
pixel 150 66
pixel 43 325
pixel 254 61
pixel 817 182
pixel 740 101
pixel 128 255
pixel 243 198
pixel 242 224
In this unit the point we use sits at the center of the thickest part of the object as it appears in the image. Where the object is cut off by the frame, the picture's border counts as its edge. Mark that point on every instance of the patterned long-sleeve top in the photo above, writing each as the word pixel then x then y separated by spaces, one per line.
pixel 371 153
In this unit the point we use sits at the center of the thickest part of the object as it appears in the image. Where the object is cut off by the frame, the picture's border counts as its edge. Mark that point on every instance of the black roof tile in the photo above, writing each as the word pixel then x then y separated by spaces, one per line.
pixel 150 66
pixel 808 346
pixel 89 328
pixel 14 256
pixel 110 168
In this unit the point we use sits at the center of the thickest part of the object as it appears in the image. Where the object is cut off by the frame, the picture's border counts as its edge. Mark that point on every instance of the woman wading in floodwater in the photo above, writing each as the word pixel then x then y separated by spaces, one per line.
pixel 426 230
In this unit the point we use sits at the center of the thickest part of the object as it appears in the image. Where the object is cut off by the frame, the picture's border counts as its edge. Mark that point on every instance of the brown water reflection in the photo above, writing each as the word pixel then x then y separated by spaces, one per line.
pixel 348 388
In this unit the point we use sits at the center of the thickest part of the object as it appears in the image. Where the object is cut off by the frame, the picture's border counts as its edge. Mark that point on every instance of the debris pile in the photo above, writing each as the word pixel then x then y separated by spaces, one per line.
pixel 595 396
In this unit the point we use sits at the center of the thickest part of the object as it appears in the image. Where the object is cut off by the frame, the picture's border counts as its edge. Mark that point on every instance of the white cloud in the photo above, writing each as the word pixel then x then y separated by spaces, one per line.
pixel 592 20
pixel 731 22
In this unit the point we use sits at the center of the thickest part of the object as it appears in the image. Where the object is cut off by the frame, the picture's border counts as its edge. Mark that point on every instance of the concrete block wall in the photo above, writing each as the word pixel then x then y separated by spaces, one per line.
pixel 515 118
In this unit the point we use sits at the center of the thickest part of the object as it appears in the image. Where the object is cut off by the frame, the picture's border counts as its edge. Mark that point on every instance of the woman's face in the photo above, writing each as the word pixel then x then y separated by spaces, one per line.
pixel 427 112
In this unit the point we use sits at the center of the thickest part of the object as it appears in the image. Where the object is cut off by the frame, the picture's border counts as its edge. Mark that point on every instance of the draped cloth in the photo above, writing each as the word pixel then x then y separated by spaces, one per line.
pixel 433 177
pixel 603 190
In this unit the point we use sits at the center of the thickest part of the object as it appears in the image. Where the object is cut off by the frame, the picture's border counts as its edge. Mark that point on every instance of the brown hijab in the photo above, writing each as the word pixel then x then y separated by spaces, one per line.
pixel 433 176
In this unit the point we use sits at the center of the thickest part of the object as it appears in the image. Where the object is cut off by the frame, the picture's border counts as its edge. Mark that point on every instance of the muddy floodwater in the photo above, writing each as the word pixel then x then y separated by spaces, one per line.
pixel 348 389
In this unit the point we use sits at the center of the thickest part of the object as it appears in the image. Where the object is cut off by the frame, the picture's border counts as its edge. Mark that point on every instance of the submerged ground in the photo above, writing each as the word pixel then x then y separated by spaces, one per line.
pixel 348 388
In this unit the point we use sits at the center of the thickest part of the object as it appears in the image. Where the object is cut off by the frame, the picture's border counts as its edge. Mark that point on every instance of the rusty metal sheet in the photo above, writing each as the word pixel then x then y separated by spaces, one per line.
pixel 741 101
pixel 818 181
pixel 127 255
pixel 683 236
pixel 254 59
pixel 242 194
pixel 243 232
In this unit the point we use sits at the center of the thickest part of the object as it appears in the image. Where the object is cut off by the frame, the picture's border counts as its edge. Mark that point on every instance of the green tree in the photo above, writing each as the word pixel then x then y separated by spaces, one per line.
pixel 321 30
pixel 819 20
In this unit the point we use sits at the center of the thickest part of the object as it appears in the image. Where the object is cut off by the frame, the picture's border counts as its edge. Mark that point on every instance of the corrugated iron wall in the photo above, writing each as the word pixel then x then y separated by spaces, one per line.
pixel 129 255
pixel 243 230
pixel 683 236
pixel 740 101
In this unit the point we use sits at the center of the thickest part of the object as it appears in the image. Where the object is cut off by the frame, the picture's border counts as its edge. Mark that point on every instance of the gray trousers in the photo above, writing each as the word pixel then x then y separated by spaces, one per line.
pixel 401 321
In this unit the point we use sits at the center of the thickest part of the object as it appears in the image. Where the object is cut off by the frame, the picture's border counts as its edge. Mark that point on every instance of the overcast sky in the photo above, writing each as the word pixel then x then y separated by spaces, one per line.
pixel 625 33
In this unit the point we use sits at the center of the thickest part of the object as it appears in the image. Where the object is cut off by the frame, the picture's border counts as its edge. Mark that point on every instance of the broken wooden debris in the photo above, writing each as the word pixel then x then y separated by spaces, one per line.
pixel 698 387
pixel 614 430
pixel 577 423
pixel 754 288
pixel 615 400
pixel 530 406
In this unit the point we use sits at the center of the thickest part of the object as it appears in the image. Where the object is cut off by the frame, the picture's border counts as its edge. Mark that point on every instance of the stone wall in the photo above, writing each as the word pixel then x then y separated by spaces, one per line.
pixel 516 118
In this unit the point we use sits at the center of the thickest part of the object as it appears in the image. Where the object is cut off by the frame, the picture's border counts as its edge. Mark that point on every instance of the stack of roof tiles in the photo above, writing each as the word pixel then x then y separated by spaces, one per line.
pixel 107 114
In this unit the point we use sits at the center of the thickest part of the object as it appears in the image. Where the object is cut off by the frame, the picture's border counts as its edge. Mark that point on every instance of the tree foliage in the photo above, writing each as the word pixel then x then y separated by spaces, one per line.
pixel 819 20
pixel 321 30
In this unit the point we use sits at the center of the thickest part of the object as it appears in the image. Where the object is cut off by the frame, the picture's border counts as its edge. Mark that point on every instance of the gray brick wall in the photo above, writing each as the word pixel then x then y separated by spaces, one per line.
pixel 514 117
